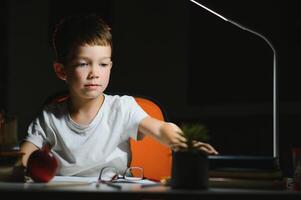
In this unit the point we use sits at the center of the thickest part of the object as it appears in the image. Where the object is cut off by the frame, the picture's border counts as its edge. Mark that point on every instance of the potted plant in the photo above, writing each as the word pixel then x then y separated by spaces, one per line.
pixel 190 165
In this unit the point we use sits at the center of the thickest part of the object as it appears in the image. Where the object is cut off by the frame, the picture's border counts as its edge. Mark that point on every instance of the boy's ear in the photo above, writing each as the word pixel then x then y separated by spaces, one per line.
pixel 60 71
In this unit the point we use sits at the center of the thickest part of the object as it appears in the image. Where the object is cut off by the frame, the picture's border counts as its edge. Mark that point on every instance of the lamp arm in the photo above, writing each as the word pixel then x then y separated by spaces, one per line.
pixel 275 92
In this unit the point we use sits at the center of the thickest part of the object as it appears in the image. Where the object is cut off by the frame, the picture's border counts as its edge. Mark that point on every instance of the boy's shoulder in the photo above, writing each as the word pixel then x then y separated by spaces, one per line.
pixel 57 108
pixel 119 99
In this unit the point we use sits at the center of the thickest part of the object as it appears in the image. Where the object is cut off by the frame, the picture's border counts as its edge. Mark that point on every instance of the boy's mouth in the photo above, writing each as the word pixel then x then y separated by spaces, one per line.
pixel 92 86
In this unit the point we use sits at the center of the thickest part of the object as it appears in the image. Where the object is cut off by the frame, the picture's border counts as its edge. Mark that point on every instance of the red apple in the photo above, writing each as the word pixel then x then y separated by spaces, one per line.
pixel 42 165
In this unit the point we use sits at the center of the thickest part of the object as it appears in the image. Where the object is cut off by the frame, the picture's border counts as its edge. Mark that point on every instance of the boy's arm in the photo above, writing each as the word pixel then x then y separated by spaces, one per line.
pixel 27 148
pixel 169 134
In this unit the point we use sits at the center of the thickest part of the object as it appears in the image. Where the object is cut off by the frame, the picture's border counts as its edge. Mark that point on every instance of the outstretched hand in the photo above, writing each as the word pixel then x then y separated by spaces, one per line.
pixel 171 135
pixel 176 140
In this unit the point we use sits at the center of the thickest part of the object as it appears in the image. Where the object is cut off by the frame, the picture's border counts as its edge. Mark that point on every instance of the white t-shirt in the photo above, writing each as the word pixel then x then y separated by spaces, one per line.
pixel 85 150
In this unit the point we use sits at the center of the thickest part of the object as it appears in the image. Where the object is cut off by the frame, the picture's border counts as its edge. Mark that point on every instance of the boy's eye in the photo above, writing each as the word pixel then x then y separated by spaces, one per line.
pixel 104 64
pixel 82 64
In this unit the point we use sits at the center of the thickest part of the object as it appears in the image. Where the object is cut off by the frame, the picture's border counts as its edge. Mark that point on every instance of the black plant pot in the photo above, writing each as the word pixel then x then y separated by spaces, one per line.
pixel 189 170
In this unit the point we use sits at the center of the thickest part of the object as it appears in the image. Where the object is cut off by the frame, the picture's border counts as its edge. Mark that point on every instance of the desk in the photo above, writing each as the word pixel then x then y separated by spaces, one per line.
pixel 133 191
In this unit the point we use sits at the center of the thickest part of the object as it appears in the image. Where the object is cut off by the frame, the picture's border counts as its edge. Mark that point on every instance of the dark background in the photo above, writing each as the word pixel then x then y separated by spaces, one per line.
pixel 199 67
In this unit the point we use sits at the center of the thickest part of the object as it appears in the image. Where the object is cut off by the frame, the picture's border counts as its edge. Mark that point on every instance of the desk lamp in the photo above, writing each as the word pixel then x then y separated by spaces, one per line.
pixel 275 95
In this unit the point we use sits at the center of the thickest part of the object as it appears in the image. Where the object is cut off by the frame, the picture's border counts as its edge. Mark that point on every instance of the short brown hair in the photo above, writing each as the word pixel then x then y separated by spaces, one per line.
pixel 75 31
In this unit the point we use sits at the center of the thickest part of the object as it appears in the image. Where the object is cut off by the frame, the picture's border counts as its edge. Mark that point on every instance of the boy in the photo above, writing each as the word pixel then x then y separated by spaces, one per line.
pixel 91 130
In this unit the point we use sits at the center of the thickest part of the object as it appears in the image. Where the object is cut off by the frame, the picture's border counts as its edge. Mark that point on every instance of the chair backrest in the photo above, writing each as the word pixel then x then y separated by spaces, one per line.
pixel 154 157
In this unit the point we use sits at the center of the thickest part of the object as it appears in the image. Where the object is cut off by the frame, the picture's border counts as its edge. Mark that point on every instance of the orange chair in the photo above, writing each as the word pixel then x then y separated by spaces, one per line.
pixel 154 157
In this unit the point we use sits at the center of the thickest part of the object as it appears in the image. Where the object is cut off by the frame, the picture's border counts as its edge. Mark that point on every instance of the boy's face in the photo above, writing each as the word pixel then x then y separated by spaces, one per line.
pixel 88 72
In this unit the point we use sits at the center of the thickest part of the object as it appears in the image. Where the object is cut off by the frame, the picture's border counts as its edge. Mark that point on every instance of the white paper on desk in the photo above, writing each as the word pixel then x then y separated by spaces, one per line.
pixel 65 181
pixel 77 179
pixel 60 181
pixel 143 181
pixel 74 179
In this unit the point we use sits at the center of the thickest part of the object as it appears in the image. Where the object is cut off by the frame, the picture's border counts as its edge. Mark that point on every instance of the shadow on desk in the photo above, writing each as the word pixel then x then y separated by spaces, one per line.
pixel 262 184
pixel 134 191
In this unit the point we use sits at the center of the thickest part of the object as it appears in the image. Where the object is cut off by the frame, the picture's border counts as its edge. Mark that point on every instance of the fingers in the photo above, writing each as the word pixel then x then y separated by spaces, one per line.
pixel 176 147
pixel 178 143
pixel 207 148
pixel 176 140
pixel 180 138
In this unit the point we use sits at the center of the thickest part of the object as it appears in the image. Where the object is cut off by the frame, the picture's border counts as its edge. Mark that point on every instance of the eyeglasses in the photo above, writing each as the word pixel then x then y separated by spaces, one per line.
pixel 110 174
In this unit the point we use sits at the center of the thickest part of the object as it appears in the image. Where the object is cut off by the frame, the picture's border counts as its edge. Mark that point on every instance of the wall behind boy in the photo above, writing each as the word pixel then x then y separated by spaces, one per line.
pixel 29 73
pixel 30 77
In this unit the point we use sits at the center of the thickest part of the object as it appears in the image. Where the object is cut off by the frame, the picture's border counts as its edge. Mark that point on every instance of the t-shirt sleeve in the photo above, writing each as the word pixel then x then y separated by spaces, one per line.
pixel 134 115
pixel 39 131
pixel 35 134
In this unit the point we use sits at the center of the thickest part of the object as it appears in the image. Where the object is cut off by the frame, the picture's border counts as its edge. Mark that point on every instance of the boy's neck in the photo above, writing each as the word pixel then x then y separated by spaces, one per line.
pixel 84 111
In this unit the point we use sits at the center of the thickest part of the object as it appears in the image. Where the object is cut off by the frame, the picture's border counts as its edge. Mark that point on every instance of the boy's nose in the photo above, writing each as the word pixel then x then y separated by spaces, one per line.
pixel 92 76
pixel 93 72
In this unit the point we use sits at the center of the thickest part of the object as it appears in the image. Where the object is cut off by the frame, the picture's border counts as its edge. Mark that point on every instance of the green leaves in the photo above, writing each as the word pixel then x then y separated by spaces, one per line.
pixel 195 132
